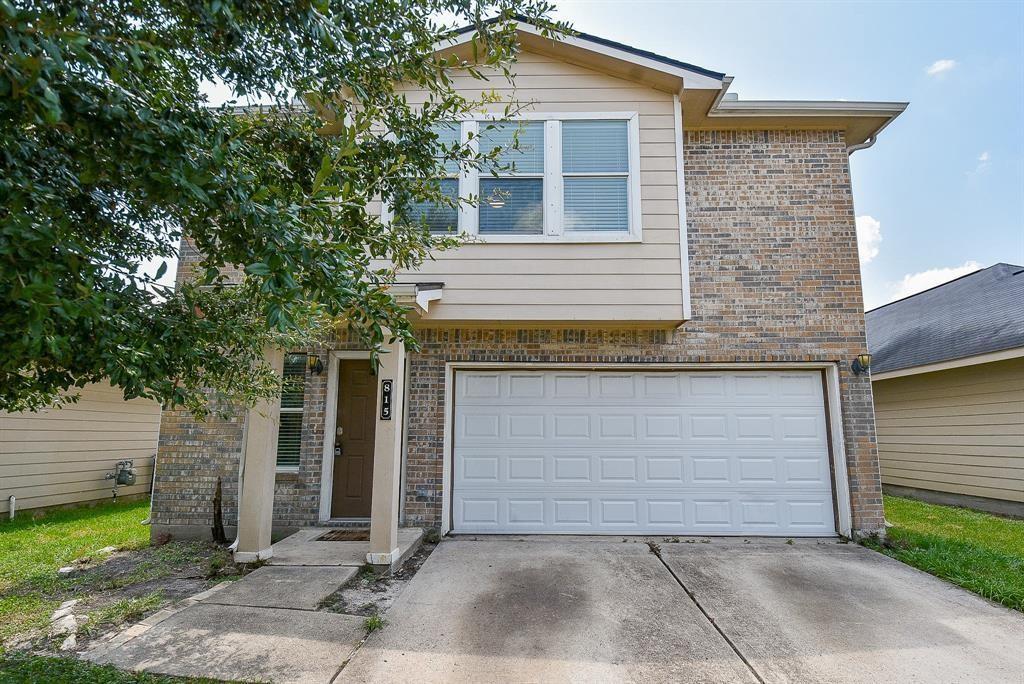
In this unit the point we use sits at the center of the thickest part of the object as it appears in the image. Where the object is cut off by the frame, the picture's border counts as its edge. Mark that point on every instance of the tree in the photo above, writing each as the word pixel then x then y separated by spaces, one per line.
pixel 111 153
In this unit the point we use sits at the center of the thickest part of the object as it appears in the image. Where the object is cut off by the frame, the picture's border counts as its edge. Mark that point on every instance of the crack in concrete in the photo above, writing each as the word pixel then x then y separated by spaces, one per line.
pixel 656 550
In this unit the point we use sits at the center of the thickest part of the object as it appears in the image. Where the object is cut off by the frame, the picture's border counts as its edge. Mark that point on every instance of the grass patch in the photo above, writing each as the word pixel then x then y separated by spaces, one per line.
pixel 977 551
pixel 32 549
pixel 125 610
pixel 31 669
pixel 373 623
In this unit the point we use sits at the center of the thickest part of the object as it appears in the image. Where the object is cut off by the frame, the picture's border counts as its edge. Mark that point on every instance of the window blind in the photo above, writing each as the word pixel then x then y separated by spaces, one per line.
pixel 528 138
pixel 512 206
pixel 439 218
pixel 449 137
pixel 293 397
pixel 595 147
pixel 595 165
pixel 596 203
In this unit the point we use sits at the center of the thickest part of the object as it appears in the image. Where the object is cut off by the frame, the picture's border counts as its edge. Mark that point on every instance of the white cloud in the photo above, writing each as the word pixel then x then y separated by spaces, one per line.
pixel 869 235
pixel 984 162
pixel 940 66
pixel 913 283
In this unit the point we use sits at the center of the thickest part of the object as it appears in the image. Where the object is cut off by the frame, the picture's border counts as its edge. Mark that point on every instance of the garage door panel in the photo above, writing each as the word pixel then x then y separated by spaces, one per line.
pixel 789 469
pixel 584 388
pixel 618 424
pixel 635 452
pixel 609 512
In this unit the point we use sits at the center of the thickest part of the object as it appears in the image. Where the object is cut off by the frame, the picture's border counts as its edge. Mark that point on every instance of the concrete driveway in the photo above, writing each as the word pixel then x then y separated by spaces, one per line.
pixel 544 609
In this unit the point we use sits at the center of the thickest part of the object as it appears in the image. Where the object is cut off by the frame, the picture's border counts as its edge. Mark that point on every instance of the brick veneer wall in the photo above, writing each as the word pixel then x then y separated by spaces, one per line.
pixel 774 276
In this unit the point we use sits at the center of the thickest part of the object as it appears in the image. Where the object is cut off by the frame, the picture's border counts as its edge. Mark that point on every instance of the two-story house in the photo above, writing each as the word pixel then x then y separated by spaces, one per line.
pixel 651 333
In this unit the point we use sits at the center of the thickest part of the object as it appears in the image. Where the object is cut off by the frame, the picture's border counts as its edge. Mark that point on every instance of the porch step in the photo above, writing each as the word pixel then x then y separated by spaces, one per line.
pixel 347 523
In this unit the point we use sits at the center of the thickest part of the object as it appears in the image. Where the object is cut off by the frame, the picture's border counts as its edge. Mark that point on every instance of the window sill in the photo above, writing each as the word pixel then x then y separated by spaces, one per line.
pixel 589 238
pixel 286 474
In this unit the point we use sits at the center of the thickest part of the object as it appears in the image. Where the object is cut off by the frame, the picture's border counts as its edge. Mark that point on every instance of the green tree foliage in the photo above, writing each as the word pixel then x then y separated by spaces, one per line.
pixel 110 153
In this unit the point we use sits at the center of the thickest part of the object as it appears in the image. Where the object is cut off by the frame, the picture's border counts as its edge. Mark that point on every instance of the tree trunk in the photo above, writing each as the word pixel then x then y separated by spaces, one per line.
pixel 218 516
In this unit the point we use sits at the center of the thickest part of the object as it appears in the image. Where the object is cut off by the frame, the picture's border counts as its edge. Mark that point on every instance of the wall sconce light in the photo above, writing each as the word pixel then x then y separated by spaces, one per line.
pixel 861 364
pixel 316 366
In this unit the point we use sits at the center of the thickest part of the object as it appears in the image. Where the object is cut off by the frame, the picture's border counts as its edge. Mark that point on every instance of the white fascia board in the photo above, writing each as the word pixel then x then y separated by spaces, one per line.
pixel 727 108
pixel 989 357
pixel 693 79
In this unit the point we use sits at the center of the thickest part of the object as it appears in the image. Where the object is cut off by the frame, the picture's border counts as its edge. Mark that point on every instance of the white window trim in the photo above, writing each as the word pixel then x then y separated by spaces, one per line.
pixel 554 228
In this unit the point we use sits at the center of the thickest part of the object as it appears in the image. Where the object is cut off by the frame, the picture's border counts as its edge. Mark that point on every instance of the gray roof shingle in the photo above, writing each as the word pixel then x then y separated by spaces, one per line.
pixel 978 313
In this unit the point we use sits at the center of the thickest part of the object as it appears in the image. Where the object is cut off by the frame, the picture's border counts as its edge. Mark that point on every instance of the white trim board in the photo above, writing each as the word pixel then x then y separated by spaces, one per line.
pixel 990 357
pixel 833 398
pixel 684 248
pixel 330 426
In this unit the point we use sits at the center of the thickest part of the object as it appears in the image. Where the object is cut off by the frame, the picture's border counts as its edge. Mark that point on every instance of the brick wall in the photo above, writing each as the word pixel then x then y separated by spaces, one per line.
pixel 774 277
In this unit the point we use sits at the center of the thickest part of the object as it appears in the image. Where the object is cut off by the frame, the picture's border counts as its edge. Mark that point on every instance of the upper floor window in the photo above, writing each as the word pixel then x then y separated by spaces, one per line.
pixel 442 218
pixel 570 176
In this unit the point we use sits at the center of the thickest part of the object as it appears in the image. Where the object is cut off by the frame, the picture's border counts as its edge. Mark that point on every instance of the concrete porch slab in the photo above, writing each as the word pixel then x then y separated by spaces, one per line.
pixel 283 586
pixel 242 643
pixel 302 548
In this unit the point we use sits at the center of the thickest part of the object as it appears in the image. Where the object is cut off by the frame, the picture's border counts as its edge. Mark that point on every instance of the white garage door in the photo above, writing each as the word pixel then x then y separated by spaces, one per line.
pixel 614 452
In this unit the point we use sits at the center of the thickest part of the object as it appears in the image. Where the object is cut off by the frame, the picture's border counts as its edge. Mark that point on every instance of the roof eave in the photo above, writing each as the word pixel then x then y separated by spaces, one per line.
pixel 691 76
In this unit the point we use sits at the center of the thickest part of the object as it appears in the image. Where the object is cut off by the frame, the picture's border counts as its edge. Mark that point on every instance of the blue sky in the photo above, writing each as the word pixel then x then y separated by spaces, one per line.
pixel 942 192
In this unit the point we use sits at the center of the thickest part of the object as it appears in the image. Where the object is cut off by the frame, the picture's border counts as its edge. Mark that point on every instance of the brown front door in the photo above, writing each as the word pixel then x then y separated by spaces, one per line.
pixel 353 441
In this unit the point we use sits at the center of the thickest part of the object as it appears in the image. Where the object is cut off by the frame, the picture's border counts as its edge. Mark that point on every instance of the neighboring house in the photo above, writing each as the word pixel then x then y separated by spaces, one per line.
pixel 61 456
pixel 948 380
pixel 653 334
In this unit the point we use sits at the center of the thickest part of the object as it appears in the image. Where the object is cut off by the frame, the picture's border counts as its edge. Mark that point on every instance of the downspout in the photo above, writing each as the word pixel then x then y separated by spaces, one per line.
pixel 862 146
pixel 11 503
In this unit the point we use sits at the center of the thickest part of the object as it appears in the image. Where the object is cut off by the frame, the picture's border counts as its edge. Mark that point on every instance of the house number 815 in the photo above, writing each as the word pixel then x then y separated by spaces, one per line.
pixel 385 399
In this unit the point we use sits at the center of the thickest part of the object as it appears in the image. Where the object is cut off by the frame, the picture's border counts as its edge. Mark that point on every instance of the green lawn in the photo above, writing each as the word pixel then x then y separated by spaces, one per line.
pixel 31 551
pixel 30 669
pixel 980 552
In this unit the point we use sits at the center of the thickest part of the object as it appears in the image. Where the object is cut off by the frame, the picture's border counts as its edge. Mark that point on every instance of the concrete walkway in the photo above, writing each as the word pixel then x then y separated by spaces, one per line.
pixel 553 609
pixel 263 627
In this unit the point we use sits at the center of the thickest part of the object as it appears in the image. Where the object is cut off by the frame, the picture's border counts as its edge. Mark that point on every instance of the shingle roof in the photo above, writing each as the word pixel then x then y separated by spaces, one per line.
pixel 613 44
pixel 978 313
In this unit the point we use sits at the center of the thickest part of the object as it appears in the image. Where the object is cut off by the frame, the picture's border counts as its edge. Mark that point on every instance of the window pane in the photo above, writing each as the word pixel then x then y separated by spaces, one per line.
pixel 294 381
pixel 512 205
pixel 439 218
pixel 449 136
pixel 595 146
pixel 600 204
pixel 289 440
pixel 528 157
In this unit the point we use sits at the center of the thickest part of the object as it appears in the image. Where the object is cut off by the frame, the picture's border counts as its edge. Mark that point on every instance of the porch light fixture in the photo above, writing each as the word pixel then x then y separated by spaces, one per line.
pixel 861 364
pixel 316 366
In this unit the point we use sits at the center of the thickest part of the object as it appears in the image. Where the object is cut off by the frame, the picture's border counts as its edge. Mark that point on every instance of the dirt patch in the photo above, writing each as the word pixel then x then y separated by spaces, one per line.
pixel 108 591
pixel 370 594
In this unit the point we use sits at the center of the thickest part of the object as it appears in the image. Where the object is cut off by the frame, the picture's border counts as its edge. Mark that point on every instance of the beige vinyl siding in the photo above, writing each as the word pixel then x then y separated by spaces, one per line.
pixel 59 456
pixel 580 282
pixel 959 430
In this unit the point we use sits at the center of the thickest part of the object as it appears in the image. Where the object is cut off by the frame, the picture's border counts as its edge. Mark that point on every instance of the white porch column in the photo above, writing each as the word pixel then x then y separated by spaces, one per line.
pixel 259 463
pixel 387 459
